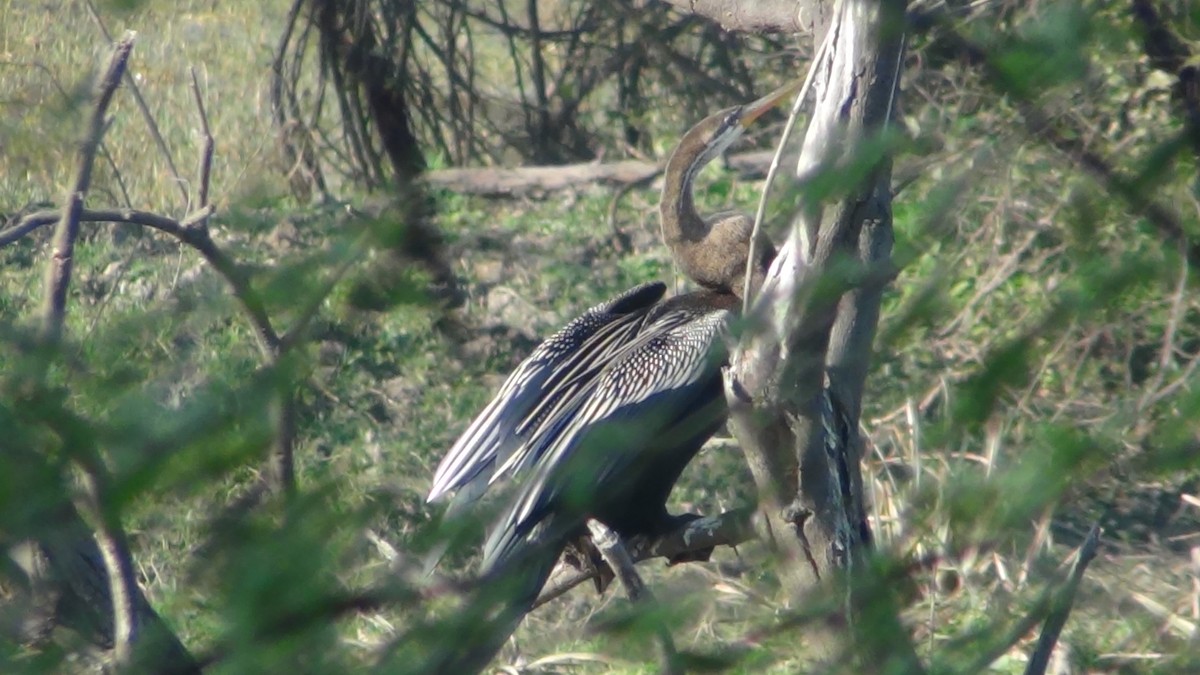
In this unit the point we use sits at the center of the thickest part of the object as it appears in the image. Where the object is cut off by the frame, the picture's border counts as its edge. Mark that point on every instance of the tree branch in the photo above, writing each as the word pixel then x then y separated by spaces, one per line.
pixel 117 562
pixel 58 275
pixel 796 377
pixel 532 180
pixel 776 382
pixel 748 16
pixel 727 529
pixel 1060 608
pixel 191 232
pixel 617 556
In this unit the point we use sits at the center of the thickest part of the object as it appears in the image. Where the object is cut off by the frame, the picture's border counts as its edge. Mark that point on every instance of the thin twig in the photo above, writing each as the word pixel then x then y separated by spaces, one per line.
pixel 145 110
pixel 1167 351
pixel 206 149
pixel 283 407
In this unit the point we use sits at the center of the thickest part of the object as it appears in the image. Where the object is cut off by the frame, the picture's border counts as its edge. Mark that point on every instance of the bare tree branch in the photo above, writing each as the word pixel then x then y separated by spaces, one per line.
pixel 703 534
pixel 613 550
pixel 117 561
pixel 109 574
pixel 190 232
pixel 281 468
pixel 58 277
pixel 206 148
pixel 750 16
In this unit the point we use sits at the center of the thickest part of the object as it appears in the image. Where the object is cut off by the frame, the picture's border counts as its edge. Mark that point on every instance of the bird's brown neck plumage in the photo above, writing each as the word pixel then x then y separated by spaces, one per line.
pixel 710 252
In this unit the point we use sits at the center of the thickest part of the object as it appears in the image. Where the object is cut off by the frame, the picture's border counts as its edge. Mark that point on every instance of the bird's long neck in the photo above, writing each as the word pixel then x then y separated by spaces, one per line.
pixel 681 222
pixel 710 252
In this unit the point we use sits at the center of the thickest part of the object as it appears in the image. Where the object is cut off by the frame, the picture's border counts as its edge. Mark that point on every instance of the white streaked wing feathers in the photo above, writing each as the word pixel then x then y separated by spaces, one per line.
pixel 681 355
pixel 496 430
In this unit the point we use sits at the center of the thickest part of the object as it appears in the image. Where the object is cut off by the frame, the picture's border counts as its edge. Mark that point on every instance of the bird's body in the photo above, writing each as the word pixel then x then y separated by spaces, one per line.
pixel 492 447
pixel 648 411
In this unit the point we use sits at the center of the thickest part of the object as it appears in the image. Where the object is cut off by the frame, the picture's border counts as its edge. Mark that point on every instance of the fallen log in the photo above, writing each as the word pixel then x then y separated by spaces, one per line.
pixel 536 180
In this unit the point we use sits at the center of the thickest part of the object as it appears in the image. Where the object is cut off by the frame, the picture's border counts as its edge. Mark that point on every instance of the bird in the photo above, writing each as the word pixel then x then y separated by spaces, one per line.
pixel 603 416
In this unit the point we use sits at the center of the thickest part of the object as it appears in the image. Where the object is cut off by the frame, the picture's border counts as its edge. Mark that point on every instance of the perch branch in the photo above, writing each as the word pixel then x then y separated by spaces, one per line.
pixel 727 529
pixel 618 558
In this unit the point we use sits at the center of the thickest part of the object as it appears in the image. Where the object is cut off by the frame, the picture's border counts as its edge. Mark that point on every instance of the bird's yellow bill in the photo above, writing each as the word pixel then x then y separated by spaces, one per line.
pixel 755 110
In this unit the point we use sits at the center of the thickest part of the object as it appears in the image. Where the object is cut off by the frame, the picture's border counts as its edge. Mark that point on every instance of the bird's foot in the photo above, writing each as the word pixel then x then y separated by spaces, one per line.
pixel 582 555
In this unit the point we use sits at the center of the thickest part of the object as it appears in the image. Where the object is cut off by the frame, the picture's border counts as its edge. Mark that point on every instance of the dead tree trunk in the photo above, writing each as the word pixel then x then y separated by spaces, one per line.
pixel 817 314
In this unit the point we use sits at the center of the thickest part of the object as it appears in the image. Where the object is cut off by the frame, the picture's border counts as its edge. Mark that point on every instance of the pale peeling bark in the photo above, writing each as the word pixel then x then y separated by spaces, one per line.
pixel 802 444
pixel 749 16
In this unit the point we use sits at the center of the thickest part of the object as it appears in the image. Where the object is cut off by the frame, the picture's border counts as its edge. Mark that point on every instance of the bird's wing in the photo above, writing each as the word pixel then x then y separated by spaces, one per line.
pixel 516 408
pixel 544 423
pixel 608 428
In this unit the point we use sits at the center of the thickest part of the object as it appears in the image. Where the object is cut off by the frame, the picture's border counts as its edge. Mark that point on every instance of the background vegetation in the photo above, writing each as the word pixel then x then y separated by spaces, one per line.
pixel 1035 370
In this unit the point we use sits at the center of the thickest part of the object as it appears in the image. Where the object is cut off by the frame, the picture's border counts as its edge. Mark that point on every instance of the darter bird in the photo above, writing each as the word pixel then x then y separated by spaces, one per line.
pixel 601 419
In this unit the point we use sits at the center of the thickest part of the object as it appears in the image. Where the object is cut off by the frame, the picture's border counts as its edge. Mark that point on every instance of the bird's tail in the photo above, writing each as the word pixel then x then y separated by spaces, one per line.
pixel 468 641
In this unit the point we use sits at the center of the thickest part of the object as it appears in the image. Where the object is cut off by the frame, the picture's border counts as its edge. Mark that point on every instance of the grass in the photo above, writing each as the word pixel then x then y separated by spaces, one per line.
pixel 1014 397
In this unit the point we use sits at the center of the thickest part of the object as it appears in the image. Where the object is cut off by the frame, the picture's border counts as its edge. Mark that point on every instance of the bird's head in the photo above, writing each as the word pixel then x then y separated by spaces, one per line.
pixel 718 131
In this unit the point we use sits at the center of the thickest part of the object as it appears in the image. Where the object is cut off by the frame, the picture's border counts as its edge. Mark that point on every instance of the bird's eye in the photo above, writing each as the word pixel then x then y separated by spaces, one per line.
pixel 733 118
